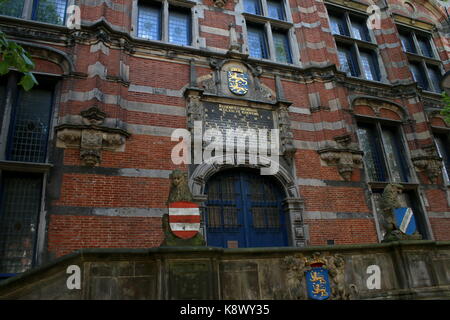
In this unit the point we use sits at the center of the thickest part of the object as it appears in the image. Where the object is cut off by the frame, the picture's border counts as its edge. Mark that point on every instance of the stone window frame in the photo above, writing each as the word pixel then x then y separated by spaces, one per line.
pixel 11 91
pixel 28 8
pixel 356 44
pixel 268 24
pixel 419 58
pixel 182 4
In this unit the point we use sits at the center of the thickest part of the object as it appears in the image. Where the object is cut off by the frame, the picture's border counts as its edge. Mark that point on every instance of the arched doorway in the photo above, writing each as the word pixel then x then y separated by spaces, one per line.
pixel 244 209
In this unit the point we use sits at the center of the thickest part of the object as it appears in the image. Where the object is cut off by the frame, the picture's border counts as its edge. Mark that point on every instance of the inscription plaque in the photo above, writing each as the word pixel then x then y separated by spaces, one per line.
pixel 225 116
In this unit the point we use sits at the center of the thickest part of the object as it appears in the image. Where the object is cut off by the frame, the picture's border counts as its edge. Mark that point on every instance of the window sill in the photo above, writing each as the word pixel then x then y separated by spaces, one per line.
pixel 382 185
pixel 7 165
pixel 263 19
pixel 163 43
pixel 363 43
pixel 34 22
pixel 418 57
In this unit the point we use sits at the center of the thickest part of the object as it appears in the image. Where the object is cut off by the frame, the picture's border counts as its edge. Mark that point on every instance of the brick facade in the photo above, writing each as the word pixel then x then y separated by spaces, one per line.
pixel 119 202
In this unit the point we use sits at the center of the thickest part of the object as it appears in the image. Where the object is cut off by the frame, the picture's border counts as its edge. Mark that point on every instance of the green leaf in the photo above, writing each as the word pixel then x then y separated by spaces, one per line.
pixel 4 67
pixel 28 81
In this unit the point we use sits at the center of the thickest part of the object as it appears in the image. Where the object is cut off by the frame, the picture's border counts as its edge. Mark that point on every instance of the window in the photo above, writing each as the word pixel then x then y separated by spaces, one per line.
pixel 50 11
pixel 443 147
pixel 257 42
pixel 356 51
pixel 424 65
pixel 173 25
pixel 384 158
pixel 268 34
pixel 26 133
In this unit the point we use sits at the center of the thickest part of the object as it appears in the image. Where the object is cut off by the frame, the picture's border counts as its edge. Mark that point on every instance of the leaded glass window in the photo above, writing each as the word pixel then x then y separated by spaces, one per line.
pixel 373 161
pixel 281 43
pixel 394 157
pixel 360 31
pixel 347 60
pixel 268 39
pixel 435 77
pixel 369 66
pixel 384 158
pixel 19 210
pixel 356 51
pixel 257 42
pixel 252 6
pixel 407 42
pixel 29 127
pixel 425 46
pixel 12 8
pixel 179 27
pixel 149 22
pixel 443 148
pixel 338 25
pixel 50 11
pixel 418 75
pixel 276 10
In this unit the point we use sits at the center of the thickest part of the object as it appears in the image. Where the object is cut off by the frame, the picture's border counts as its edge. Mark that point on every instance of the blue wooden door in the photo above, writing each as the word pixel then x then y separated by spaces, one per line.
pixel 244 209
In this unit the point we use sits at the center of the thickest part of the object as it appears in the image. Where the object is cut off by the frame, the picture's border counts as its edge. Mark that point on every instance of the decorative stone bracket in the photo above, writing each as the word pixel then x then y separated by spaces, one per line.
pixel 427 160
pixel 345 155
pixel 91 132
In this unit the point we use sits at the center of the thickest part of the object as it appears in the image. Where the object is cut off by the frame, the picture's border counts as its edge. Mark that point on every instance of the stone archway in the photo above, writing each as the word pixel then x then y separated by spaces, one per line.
pixel 293 203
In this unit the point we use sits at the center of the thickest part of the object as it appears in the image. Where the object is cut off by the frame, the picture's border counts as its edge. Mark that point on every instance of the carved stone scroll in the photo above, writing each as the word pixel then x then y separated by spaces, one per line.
pixel 91 132
pixel 345 155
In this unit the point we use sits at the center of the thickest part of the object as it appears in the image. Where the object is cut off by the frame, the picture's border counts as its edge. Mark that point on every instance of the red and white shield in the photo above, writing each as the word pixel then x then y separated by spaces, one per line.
pixel 184 219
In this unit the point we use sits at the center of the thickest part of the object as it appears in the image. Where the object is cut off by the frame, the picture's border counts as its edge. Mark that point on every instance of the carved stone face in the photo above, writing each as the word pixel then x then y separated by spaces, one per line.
pixel 176 180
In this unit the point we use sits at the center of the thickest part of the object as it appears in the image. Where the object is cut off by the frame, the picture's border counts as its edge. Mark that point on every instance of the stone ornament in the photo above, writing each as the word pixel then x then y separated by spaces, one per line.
pixel 389 202
pixel 427 160
pixel 179 191
pixel 297 266
pixel 345 155
pixel 91 132
pixel 220 3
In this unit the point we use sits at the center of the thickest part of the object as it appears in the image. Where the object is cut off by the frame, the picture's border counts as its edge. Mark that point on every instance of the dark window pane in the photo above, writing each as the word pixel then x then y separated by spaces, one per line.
pixel 180 28
pixel 29 126
pixel 407 42
pixel 370 66
pixel 419 75
pixel 12 8
pixel 276 10
pixel 373 158
pixel 281 43
pixel 347 61
pixel 149 22
pixel 257 43
pixel 360 31
pixel 19 210
pixel 394 153
pixel 338 25
pixel 51 11
pixel 435 76
pixel 425 46
pixel 252 6
pixel 443 147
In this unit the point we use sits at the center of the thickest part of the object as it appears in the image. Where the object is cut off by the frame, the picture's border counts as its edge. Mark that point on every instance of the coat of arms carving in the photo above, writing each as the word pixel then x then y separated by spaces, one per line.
pixel 237 81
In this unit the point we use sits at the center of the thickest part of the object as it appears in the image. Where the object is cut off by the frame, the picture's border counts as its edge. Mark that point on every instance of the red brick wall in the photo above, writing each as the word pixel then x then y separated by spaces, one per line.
pixel 68 233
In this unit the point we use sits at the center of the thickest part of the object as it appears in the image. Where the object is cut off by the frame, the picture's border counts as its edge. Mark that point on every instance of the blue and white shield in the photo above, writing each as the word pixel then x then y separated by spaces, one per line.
pixel 318 283
pixel 238 82
pixel 404 219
